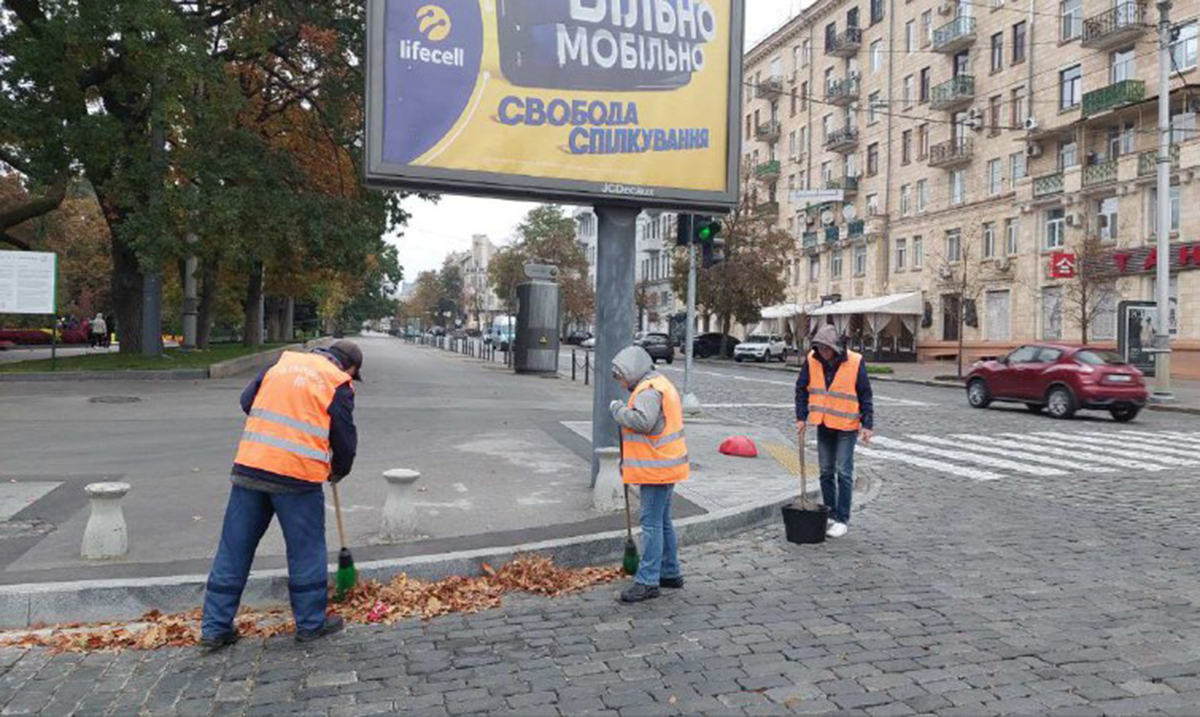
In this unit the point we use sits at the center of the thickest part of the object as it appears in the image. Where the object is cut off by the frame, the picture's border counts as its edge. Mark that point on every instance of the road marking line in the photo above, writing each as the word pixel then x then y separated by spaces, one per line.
pixel 748 405
pixel 1013 452
pixel 1025 448
pixel 1188 438
pixel 983 460
pixel 1114 456
pixel 1106 445
pixel 1148 444
pixel 940 466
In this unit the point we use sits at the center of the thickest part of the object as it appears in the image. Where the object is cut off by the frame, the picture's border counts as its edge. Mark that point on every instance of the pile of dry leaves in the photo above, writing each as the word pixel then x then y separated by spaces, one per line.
pixel 372 602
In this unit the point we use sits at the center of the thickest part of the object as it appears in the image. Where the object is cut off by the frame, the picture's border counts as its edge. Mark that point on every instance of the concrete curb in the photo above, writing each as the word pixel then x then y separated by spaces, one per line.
pixel 224 369
pixel 36 604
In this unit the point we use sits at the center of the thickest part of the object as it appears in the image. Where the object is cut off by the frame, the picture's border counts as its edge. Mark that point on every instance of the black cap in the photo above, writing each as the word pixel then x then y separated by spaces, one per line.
pixel 349 354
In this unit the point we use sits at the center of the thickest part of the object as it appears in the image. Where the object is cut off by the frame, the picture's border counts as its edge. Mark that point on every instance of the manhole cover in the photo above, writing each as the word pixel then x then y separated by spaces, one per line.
pixel 114 399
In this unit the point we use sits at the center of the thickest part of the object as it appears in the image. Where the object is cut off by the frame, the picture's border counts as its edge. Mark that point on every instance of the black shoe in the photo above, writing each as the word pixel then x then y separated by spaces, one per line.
pixel 638 592
pixel 672 583
pixel 212 644
pixel 333 623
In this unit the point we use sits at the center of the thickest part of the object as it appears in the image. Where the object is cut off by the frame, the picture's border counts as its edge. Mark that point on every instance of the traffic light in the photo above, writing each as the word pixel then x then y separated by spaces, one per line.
pixel 704 231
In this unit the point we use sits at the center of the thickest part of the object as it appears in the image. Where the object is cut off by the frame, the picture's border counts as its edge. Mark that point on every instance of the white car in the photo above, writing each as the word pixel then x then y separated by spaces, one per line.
pixel 761 348
pixel 588 343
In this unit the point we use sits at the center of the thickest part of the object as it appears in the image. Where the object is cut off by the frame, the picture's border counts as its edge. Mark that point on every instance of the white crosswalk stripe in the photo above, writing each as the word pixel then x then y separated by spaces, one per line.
pixel 1041 454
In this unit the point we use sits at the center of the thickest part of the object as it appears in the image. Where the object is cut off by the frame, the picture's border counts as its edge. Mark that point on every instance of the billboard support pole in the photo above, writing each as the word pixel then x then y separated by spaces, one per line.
pixel 691 404
pixel 616 254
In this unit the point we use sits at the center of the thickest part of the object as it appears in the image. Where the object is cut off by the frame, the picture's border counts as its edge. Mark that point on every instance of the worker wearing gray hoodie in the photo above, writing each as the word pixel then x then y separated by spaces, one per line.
pixel 653 457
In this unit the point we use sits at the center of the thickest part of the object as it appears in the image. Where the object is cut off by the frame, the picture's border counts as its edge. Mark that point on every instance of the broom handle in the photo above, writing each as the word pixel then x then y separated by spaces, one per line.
pixel 337 510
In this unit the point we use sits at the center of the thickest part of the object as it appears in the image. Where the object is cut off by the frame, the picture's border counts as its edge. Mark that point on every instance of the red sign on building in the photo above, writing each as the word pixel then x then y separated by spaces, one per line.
pixel 1062 265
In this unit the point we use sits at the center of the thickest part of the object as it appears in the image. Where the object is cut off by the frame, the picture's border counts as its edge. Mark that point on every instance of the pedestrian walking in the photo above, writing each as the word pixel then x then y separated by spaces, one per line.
pixel 99 329
pixel 299 435
pixel 833 393
pixel 653 457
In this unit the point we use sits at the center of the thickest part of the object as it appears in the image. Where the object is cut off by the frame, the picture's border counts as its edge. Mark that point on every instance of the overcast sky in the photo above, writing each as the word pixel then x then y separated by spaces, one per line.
pixel 438 229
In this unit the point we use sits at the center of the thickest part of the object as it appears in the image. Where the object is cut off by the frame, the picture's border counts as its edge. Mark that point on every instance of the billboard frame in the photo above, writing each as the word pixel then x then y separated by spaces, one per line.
pixel 382 175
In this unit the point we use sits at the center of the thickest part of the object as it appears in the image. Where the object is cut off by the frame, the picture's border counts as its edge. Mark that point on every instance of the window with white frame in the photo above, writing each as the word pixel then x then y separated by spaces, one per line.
pixel 1070 85
pixel 1123 65
pixel 922 195
pixel 873 105
pixel 927 27
pixel 909 90
pixel 905 200
pixel 1016 166
pixel 1072 19
pixel 1183 47
pixel 1104 319
pixel 1010 237
pixel 792 152
pixel 872 205
pixel 1052 313
pixel 1055 228
pixel 805 52
pixel 835 264
pixel 860 260
pixel 953 245
pixel 958 187
pixel 804 139
pixel 901 254
pixel 918 252
pixel 1068 154
pixel 826 127
pixel 1183 127
pixel 1106 219
pixel 814 268
pixel 1152 210
pixel 995 177
pixel 826 174
pixel 876 56
pixel 989 240
pixel 910 36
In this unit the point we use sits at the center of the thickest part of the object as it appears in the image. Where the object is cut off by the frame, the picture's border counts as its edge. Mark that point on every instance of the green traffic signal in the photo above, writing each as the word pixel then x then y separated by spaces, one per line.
pixel 709 231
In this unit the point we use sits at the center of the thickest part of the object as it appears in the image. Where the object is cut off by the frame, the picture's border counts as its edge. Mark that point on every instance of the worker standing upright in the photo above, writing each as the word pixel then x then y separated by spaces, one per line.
pixel 299 435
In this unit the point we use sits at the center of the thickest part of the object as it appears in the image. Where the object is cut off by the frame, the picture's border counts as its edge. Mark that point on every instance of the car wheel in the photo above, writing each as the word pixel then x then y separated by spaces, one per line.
pixel 670 359
pixel 978 394
pixel 737 359
pixel 1034 407
pixel 764 358
pixel 1060 403
pixel 1124 414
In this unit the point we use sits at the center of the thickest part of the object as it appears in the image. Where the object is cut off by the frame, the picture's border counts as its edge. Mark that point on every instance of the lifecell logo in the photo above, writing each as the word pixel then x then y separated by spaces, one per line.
pixel 433 22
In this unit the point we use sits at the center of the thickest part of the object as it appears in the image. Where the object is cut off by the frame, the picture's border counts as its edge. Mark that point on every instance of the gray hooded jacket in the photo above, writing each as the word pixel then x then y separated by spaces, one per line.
pixel 632 366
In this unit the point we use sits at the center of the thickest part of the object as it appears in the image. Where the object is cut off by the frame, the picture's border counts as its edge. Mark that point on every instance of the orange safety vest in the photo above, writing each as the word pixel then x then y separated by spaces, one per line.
pixel 837 406
pixel 656 459
pixel 287 432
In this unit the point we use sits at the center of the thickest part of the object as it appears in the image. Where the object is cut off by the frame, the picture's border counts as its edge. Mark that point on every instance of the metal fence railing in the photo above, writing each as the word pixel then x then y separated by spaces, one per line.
pixel 580 368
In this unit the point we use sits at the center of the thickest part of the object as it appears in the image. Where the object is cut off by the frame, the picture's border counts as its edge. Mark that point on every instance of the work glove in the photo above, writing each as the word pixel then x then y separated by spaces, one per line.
pixel 335 478
pixel 614 406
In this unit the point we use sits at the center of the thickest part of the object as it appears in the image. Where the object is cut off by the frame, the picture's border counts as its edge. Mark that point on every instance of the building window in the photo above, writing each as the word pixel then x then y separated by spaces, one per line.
pixel 922 141
pixel 1017 103
pixel 1010 237
pixel 748 129
pixel 1016 164
pixel 953 245
pixel 958 187
pixel 926 28
pixel 793 148
pixel 1018 43
pixel 826 173
pixel 1106 219
pixel 910 85
pixel 803 96
pixel 997 52
pixel 923 87
pixel 802 183
pixel 805 52
pixel 999 315
pixel 1055 228
pixel 1183 127
pixel 905 200
pixel 952 319
pixel 835 264
pixel 901 254
pixel 918 253
pixel 1183 48
pixel 826 127
pixel 876 11
pixel 1070 87
pixel 872 205
pixel 1052 313
pixel 906 146
pixel 1124 67
pixel 860 260
pixel 876 56
pixel 873 107
pixel 1104 321
pixel 814 268
pixel 1072 19
pixel 989 240
pixel 922 195
pixel 873 159
pixel 804 139
pixel 910 36
pixel 1068 154
pixel 1152 210
pixel 995 177
pixel 994 114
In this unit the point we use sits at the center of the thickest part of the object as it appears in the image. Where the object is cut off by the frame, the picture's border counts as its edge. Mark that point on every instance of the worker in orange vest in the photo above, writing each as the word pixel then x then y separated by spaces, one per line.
pixel 299 435
pixel 833 393
pixel 653 456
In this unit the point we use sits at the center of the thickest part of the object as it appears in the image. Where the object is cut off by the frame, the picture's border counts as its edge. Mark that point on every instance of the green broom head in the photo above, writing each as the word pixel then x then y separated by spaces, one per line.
pixel 347 574
pixel 630 562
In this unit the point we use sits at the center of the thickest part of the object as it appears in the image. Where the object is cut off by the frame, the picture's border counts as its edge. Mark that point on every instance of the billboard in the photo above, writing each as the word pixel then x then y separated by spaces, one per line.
pixel 592 101
pixel 27 282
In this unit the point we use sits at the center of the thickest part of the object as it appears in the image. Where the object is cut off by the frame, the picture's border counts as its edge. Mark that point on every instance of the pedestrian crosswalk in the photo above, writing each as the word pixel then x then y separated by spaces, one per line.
pixel 1050 454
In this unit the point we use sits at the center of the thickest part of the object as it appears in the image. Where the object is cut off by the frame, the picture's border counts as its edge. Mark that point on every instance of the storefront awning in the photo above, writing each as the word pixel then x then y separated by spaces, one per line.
pixel 903 304
pixel 782 311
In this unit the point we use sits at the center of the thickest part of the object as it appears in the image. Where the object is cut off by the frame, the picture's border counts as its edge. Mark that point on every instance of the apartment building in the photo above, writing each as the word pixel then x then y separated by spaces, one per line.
pixel 480 303
pixel 935 158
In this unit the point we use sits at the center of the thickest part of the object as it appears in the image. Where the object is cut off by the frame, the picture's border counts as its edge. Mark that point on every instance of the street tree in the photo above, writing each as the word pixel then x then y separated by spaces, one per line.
pixel 961 278
pixel 1092 291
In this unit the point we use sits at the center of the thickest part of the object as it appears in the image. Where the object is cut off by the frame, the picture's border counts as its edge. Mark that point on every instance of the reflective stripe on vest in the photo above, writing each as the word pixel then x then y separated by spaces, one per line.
pixel 287 431
pixel 835 406
pixel 661 458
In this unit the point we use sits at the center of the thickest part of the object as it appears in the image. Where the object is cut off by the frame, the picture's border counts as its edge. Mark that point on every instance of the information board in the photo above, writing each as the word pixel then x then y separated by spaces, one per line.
pixel 27 282
pixel 617 101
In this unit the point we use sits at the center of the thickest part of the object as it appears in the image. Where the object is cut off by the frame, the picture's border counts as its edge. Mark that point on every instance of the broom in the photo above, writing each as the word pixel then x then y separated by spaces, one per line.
pixel 630 562
pixel 347 574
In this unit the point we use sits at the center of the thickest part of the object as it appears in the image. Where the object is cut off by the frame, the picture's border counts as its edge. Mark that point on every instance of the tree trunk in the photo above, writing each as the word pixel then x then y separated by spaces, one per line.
pixel 289 314
pixel 209 276
pixel 726 324
pixel 127 283
pixel 961 333
pixel 274 309
pixel 252 334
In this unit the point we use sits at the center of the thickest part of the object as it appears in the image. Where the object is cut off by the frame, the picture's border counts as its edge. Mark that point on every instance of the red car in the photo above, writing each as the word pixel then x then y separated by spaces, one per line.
pixel 1061 379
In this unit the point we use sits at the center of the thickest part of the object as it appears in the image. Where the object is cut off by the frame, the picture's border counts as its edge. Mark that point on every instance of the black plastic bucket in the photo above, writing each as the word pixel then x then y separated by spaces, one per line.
pixel 805 526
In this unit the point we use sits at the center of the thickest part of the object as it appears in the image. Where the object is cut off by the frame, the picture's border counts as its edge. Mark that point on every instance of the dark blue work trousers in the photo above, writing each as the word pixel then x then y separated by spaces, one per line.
pixel 302 518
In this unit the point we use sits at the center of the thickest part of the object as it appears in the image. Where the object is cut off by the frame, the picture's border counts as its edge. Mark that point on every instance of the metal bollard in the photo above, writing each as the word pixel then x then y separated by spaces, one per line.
pixel 106 535
pixel 399 510
pixel 587 367
pixel 572 364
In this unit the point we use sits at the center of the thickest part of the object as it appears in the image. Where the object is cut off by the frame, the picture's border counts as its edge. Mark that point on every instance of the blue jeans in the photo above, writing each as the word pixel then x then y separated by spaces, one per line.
pixel 835 451
pixel 302 518
pixel 660 550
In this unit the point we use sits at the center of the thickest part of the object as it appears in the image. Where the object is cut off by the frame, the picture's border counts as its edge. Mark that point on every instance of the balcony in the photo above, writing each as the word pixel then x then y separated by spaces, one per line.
pixel 768 131
pixel 1148 162
pixel 1048 184
pixel 958 34
pixel 845 44
pixel 848 185
pixel 832 234
pixel 954 94
pixel 766 209
pixel 844 91
pixel 952 153
pixel 770 88
pixel 844 140
pixel 1100 173
pixel 856 229
pixel 1115 95
pixel 768 171
pixel 809 240
pixel 1119 26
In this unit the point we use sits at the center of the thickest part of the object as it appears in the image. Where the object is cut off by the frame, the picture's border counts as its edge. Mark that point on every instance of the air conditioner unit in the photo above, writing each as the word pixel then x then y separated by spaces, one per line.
pixel 1033 149
pixel 946 8
pixel 945 273
pixel 1073 219
pixel 974 120
pixel 1031 124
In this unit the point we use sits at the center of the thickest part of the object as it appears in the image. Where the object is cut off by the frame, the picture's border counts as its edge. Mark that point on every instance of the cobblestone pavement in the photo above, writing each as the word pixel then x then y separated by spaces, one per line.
pixel 1073 593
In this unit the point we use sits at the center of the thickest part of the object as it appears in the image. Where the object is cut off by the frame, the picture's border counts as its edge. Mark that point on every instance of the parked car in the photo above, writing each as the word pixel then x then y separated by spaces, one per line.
pixel 709 345
pixel 658 346
pixel 1060 379
pixel 761 348
pixel 588 343
pixel 576 338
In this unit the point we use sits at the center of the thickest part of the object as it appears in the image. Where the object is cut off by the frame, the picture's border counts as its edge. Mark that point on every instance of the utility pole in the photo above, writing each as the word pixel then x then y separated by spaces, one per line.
pixel 691 404
pixel 1162 334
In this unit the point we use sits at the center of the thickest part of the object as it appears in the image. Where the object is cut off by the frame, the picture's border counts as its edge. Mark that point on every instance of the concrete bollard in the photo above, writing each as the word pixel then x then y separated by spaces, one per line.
pixel 608 493
pixel 106 535
pixel 399 510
